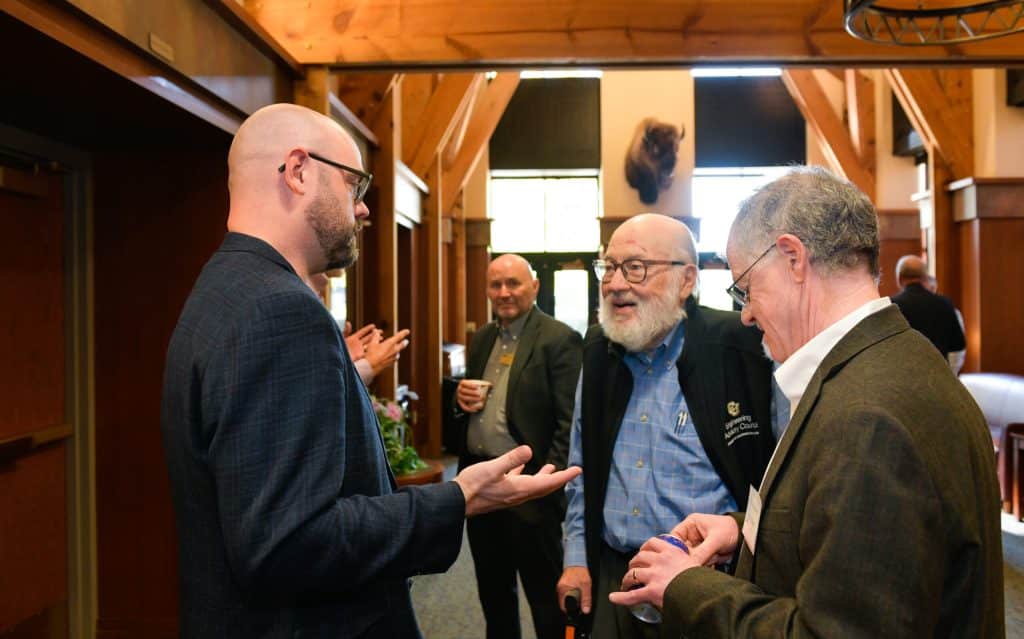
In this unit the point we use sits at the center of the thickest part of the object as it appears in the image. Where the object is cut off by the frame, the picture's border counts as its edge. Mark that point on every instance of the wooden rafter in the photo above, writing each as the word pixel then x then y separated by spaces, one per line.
pixel 411 33
pixel 416 91
pixel 460 125
pixel 490 106
pixel 939 106
pixel 313 90
pixel 832 134
pixel 363 93
pixel 860 109
pixel 446 105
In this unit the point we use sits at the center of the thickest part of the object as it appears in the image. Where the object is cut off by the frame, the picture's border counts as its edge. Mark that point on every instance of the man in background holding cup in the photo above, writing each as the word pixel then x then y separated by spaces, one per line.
pixel 522 371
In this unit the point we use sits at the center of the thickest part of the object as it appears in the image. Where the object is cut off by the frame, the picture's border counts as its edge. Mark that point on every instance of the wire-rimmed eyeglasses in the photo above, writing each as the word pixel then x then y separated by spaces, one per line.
pixel 634 271
pixel 739 295
pixel 358 190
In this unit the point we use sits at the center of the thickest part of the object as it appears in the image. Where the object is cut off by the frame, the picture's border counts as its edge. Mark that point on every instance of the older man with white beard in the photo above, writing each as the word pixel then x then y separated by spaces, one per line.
pixel 672 417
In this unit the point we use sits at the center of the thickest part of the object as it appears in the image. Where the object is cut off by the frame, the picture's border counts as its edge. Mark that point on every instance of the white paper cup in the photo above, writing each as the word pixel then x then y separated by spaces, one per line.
pixel 482 388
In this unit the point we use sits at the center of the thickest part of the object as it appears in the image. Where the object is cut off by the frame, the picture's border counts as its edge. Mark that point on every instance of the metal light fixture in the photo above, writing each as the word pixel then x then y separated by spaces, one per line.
pixel 966 22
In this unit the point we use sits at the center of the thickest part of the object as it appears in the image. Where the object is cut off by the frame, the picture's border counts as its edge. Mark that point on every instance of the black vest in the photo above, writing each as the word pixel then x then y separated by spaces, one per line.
pixel 726 381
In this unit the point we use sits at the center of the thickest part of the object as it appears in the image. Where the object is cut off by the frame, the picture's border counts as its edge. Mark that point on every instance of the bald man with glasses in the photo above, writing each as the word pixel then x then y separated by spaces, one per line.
pixel 673 414
pixel 289 520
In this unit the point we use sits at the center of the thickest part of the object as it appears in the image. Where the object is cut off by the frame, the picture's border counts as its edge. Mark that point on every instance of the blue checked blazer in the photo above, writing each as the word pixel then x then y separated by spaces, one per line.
pixel 287 518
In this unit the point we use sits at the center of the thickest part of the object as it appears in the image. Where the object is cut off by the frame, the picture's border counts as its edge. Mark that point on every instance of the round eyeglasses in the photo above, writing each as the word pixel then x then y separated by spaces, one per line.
pixel 634 271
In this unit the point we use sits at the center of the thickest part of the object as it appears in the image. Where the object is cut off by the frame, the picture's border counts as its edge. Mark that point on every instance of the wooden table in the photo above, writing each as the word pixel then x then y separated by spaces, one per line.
pixel 430 475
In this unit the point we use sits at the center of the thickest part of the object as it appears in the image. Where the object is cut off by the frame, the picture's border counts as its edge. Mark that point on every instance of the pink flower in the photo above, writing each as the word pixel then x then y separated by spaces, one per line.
pixel 394 411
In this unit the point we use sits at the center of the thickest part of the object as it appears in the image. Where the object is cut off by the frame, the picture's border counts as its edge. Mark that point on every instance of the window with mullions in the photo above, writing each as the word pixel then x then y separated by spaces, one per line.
pixel 545 214
pixel 717 195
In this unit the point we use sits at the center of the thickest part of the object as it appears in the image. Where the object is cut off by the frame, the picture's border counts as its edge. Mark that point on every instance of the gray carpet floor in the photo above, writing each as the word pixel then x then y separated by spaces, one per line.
pixel 448 608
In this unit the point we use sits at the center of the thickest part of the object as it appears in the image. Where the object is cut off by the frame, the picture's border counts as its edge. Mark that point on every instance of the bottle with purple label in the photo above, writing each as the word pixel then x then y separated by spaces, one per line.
pixel 644 611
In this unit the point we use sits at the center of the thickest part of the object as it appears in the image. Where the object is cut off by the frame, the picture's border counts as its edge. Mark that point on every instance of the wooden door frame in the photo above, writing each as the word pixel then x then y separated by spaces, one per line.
pixel 79 388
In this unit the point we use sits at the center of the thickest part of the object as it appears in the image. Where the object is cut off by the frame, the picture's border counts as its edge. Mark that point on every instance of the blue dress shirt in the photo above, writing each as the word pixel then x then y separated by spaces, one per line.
pixel 659 472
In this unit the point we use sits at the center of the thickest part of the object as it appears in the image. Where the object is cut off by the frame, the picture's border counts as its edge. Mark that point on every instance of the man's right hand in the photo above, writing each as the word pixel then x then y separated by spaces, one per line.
pixel 575 577
pixel 469 397
pixel 712 539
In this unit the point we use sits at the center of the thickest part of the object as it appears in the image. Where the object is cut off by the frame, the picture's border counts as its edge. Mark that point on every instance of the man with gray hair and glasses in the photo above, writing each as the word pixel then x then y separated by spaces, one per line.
pixel 672 417
pixel 878 515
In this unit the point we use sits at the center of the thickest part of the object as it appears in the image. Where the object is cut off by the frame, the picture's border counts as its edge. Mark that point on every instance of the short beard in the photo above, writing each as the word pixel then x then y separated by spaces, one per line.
pixel 655 317
pixel 339 244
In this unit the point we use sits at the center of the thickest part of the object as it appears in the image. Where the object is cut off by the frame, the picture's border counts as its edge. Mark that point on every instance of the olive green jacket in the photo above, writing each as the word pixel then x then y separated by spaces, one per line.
pixel 880 512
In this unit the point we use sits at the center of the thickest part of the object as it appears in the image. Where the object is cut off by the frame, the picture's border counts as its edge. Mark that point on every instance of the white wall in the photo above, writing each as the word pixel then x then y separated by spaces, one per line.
pixel 627 97
pixel 895 177
pixel 998 129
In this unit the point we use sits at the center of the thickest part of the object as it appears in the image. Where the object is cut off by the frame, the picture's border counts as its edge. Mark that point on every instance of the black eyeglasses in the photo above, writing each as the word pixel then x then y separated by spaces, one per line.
pixel 635 271
pixel 360 188
pixel 738 294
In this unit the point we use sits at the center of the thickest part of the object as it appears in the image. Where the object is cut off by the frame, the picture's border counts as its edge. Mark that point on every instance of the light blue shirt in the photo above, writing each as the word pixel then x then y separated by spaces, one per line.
pixel 659 472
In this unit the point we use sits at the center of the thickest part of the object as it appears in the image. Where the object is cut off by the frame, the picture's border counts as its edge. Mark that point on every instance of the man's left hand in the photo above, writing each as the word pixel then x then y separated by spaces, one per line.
pixel 653 568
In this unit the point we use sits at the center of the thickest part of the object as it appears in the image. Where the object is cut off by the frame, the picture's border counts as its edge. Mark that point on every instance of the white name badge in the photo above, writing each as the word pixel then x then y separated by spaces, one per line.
pixel 751 519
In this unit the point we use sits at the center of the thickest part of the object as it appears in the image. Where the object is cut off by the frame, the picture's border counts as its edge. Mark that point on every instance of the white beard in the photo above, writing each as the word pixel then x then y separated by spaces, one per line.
pixel 653 318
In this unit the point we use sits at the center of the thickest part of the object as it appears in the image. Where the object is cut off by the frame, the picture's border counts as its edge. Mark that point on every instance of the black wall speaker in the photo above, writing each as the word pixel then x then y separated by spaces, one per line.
pixel 1015 87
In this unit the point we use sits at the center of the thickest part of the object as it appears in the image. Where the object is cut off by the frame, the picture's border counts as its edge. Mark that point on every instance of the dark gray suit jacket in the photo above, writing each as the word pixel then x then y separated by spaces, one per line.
pixel 880 512
pixel 541 384
pixel 288 522
pixel 541 395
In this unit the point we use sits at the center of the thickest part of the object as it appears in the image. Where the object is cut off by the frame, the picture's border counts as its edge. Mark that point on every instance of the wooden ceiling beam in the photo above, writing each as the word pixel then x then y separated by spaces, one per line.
pixel 446 106
pixel 488 111
pixel 460 125
pixel 416 91
pixel 363 93
pixel 939 106
pixel 835 140
pixel 860 109
pixel 480 33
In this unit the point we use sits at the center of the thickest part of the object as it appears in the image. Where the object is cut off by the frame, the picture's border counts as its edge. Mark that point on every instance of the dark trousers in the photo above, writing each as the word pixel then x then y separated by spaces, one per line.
pixel 503 544
pixel 608 620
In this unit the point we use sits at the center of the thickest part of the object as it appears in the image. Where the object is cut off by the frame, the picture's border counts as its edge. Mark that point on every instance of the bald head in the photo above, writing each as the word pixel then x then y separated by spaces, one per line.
pixel 266 137
pixel 511 286
pixel 910 269
pixel 641 305
pixel 512 263
pixel 287 189
pixel 659 235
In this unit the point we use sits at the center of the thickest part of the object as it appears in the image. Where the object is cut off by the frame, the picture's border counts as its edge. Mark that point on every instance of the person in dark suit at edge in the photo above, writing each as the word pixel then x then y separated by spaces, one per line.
pixel 879 514
pixel 288 520
pixel 673 414
pixel 928 312
pixel 531 362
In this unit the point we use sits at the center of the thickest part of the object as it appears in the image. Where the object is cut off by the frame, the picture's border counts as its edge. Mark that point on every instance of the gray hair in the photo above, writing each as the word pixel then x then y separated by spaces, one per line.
pixel 833 218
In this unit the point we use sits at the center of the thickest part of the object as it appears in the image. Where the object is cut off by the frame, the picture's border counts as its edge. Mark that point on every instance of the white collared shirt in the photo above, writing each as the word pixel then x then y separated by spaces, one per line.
pixel 795 373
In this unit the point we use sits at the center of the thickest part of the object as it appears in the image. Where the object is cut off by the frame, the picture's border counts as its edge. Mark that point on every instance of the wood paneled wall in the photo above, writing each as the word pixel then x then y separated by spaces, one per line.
pixel 989 220
pixel 189 36
pixel 158 218
pixel 33 523
pixel 900 234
